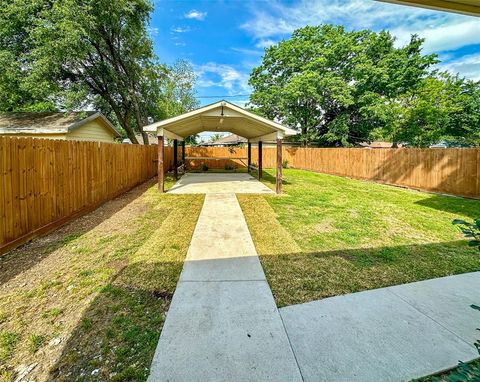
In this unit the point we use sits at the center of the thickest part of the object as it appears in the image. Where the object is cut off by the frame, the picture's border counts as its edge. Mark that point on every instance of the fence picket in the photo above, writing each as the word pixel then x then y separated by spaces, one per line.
pixel 46 181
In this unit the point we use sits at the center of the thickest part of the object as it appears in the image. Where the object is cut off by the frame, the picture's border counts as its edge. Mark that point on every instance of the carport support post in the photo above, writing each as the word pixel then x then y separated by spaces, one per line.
pixel 161 151
pixel 175 158
pixel 249 152
pixel 259 160
pixel 278 178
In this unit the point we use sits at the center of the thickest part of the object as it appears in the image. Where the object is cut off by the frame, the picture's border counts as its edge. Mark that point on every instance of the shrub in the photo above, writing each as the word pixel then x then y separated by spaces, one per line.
pixel 285 163
pixel 204 167
pixel 470 231
pixel 229 167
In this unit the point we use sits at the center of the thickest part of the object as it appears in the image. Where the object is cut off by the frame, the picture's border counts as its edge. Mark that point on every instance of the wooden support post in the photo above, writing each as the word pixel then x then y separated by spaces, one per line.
pixel 249 156
pixel 161 152
pixel 259 160
pixel 278 178
pixel 175 158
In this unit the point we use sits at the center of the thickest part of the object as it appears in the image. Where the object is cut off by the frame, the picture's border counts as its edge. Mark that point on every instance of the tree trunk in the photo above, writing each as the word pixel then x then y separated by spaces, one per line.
pixel 138 118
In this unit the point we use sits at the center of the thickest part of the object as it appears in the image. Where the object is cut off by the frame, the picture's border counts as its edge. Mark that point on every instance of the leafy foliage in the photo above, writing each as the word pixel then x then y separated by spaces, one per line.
pixel 70 54
pixel 342 88
pixel 470 231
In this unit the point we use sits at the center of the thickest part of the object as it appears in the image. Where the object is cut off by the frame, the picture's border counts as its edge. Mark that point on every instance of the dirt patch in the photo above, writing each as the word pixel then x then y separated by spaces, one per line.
pixel 87 302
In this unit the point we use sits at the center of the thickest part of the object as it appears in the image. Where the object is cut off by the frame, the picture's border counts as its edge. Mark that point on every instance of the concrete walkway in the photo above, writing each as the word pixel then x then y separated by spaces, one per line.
pixel 223 324
pixel 390 334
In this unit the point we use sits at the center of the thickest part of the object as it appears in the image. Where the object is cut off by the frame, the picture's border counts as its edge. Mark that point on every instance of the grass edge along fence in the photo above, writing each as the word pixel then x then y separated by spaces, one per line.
pixel 44 183
pixel 449 171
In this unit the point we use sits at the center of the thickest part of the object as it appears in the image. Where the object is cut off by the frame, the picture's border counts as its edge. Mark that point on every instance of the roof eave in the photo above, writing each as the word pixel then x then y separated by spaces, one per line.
pixel 26 130
pixel 166 122
pixel 440 5
pixel 92 117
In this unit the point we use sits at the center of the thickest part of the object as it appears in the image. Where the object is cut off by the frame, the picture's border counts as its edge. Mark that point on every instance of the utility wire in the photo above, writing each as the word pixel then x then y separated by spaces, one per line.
pixel 225 96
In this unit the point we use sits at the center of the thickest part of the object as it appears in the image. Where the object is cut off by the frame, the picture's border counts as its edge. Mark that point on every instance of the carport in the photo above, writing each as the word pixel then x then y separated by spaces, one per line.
pixel 221 116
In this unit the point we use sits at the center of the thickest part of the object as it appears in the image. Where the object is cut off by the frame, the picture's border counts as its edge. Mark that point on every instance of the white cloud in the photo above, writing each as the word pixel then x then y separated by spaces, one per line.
pixel 194 14
pixel 467 66
pixel 250 52
pixel 265 43
pixel 443 37
pixel 221 75
pixel 180 29
pixel 179 43
pixel 443 31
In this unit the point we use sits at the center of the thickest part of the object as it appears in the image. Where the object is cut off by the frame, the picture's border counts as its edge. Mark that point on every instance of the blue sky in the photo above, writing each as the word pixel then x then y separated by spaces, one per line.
pixel 224 40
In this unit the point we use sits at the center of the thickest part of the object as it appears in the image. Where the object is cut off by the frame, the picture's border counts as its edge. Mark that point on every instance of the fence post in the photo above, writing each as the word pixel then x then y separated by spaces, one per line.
pixel 259 160
pixel 175 158
pixel 161 154
pixel 249 155
pixel 278 178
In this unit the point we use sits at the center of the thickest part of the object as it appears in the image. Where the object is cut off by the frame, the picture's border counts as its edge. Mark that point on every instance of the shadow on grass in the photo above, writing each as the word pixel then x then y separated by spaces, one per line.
pixel 301 277
pixel 269 177
pixel 458 206
pixel 118 333
pixel 28 255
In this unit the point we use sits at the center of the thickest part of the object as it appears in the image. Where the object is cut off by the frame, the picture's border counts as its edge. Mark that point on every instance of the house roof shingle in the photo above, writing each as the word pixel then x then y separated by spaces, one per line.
pixel 48 122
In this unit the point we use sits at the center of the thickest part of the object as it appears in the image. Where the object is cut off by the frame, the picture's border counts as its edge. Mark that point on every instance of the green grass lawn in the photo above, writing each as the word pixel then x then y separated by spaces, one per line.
pixel 328 235
pixel 88 301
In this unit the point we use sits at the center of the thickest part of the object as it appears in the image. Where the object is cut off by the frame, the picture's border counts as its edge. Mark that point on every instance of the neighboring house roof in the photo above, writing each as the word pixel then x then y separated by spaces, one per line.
pixel 231 139
pixel 152 139
pixel 378 145
pixel 49 122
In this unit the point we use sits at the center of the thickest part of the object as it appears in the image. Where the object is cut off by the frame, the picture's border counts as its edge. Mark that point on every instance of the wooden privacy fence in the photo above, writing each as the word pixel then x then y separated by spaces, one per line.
pixel 217 152
pixel 44 183
pixel 451 171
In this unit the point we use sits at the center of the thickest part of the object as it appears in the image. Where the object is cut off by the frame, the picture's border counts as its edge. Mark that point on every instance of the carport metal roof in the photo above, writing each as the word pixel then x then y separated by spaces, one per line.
pixel 467 7
pixel 221 116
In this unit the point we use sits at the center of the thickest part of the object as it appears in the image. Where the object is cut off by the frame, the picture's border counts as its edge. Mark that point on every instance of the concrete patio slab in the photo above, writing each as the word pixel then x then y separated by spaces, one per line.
pixel 223 324
pixel 448 301
pixel 204 183
pixel 379 336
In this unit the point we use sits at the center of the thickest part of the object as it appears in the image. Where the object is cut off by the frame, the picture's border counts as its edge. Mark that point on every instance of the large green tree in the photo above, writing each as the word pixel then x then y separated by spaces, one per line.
pixel 333 84
pixel 178 94
pixel 67 54
pixel 442 107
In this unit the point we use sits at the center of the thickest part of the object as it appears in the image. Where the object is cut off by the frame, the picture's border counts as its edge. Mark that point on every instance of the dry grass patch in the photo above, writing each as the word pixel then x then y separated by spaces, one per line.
pixel 88 301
